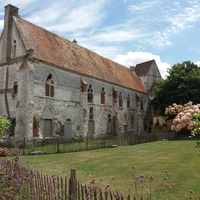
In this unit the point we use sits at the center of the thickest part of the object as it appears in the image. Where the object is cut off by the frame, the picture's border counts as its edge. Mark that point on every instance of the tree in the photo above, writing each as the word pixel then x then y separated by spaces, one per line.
pixel 4 125
pixel 181 86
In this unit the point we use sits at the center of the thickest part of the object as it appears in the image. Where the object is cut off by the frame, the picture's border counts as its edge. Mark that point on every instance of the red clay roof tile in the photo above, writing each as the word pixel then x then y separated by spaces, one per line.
pixel 53 49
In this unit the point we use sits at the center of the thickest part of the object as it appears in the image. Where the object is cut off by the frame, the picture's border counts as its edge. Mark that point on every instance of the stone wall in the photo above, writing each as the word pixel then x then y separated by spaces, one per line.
pixel 69 103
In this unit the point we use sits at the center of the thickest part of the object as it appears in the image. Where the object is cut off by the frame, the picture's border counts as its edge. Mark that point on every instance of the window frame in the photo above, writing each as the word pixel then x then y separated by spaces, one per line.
pixel 102 98
pixel 50 86
pixel 90 95
pixel 120 99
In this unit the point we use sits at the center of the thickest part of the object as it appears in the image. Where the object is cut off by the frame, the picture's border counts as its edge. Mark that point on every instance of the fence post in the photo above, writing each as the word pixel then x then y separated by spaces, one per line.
pixel 24 143
pixel 87 142
pixel 58 146
pixel 72 185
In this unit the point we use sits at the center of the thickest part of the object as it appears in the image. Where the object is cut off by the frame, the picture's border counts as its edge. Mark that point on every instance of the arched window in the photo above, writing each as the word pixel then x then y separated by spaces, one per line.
pixel 90 94
pixel 120 100
pixel 103 96
pixel 50 85
pixel 114 94
pixel 128 101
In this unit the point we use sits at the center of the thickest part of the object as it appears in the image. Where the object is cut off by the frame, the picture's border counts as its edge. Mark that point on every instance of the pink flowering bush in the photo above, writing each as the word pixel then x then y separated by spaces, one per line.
pixel 3 151
pixel 187 116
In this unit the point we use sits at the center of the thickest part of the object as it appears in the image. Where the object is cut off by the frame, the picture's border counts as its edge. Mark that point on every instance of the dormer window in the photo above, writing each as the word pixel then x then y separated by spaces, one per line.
pixel 50 85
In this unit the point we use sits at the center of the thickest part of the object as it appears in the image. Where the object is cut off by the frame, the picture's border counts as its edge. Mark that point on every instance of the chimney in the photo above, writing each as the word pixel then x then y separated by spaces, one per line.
pixel 74 41
pixel 10 11
pixel 132 68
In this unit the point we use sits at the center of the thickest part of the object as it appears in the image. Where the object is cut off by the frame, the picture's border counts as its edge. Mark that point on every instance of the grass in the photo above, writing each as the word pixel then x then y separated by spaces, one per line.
pixel 114 165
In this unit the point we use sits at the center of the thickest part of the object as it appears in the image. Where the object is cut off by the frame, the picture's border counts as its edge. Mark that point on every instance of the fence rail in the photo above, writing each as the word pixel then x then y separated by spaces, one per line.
pixel 36 186
pixel 32 185
pixel 63 145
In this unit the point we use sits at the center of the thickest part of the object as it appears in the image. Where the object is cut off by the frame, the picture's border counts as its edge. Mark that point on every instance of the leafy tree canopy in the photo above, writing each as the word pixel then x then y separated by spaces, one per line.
pixel 4 125
pixel 181 86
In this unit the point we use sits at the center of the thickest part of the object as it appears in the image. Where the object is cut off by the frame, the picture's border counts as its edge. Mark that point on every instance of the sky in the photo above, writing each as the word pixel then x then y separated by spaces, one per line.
pixel 126 31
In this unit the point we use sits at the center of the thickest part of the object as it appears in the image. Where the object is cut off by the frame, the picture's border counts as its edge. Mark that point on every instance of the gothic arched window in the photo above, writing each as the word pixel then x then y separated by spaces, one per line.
pixel 90 94
pixel 50 86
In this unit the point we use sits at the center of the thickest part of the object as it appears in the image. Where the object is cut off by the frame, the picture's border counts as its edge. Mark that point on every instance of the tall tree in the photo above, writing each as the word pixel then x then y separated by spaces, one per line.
pixel 181 86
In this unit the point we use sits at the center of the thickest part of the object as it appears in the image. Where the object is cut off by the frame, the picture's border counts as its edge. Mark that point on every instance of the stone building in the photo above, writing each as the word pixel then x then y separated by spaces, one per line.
pixel 149 74
pixel 51 86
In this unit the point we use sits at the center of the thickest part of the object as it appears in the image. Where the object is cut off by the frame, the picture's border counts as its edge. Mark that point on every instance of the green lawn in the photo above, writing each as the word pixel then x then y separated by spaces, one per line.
pixel 180 158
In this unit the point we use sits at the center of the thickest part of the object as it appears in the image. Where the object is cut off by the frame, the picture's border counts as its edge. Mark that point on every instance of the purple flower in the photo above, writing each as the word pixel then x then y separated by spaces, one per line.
pixel 92 181
pixel 151 177
pixel 142 176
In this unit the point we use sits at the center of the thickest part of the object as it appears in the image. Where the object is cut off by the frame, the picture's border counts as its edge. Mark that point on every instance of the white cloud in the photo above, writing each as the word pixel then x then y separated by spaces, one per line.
pixel 184 18
pixel 1 24
pixel 65 17
pixel 133 58
pixel 109 30
pixel 19 3
pixel 197 63
pixel 118 35
pixel 146 5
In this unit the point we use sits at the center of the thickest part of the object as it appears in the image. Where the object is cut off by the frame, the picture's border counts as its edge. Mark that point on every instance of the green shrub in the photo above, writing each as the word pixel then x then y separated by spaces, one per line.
pixel 4 124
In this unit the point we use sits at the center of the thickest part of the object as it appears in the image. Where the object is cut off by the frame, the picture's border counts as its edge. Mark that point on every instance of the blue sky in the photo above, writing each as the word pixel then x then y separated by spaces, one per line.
pixel 126 31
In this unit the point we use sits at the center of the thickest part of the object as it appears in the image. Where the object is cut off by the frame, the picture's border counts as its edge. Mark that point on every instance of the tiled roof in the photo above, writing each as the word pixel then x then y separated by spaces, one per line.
pixel 143 68
pixel 53 49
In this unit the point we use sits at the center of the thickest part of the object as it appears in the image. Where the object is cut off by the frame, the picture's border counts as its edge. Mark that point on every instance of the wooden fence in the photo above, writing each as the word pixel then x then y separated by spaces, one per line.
pixel 32 185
